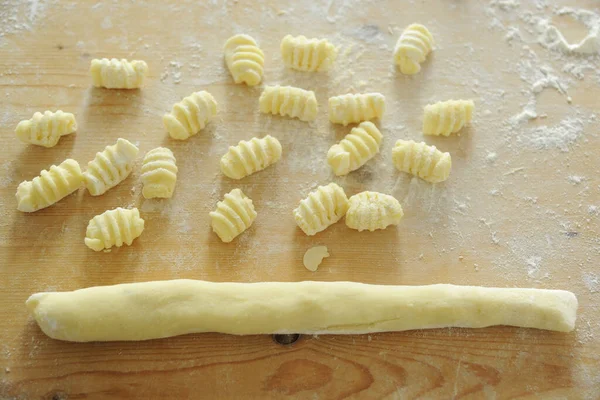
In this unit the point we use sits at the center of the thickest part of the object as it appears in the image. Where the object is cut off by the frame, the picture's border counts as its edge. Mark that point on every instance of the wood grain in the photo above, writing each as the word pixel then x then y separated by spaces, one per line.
pixel 535 232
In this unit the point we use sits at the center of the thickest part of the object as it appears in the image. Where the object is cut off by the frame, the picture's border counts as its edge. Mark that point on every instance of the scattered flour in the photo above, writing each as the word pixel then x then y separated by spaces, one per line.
pixel 106 23
pixel 15 18
pixel 172 70
pixel 575 180
pixel 552 38
pixel 591 282
pixel 559 136
pixel 533 266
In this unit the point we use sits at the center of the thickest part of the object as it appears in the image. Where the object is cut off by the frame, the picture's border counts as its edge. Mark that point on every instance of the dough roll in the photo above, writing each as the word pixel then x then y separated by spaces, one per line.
pixel 140 311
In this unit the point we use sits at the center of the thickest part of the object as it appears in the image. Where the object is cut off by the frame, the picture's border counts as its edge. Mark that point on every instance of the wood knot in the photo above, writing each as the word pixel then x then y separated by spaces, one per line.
pixel 286 339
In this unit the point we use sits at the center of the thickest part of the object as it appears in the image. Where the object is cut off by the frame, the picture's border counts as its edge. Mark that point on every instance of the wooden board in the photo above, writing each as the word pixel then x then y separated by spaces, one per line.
pixel 519 210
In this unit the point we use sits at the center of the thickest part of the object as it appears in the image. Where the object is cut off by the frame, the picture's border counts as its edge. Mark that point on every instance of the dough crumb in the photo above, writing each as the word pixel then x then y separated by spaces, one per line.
pixel 314 256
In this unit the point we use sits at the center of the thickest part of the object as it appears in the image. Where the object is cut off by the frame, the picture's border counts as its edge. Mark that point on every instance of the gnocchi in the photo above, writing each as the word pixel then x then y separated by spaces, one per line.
pixel 351 108
pixel 412 48
pixel 322 208
pixel 46 129
pixel 372 210
pixel 305 54
pixel 244 59
pixel 118 74
pixel 113 228
pixel 446 117
pixel 289 101
pixel 110 167
pixel 358 147
pixel 233 215
pixel 159 173
pixel 251 156
pixel 190 115
pixel 49 187
pixel 419 159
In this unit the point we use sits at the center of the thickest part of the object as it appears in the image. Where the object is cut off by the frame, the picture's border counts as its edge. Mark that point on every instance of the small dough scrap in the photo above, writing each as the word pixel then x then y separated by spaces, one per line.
pixel 314 257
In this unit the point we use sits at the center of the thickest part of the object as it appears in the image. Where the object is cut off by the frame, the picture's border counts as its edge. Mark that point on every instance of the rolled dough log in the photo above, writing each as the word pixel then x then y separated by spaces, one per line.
pixel 139 311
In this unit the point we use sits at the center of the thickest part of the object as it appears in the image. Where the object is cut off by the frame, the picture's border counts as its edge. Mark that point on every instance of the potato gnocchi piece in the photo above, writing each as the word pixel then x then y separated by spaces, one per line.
pixel 110 167
pixel 419 159
pixel 190 115
pixel 251 156
pixel 233 215
pixel 446 117
pixel 351 108
pixel 244 59
pixel 159 173
pixel 289 101
pixel 415 43
pixel 372 210
pixel 322 208
pixel 358 147
pixel 49 187
pixel 46 129
pixel 113 228
pixel 305 54
pixel 118 74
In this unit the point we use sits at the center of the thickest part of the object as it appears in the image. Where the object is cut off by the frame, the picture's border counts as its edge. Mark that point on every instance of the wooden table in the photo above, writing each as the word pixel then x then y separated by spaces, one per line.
pixel 511 214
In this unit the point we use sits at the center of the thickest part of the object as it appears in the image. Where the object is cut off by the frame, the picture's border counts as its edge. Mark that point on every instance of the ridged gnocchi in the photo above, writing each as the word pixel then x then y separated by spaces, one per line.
pixel 358 147
pixel 114 228
pixel 118 74
pixel 110 167
pixel 419 159
pixel 159 173
pixel 321 208
pixel 373 210
pixel 351 108
pixel 305 54
pixel 47 128
pixel 190 115
pixel 244 59
pixel 49 187
pixel 415 43
pixel 250 156
pixel 289 101
pixel 233 215
pixel 446 117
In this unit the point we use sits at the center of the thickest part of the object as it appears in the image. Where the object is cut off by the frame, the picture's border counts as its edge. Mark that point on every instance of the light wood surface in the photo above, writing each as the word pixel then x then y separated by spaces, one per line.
pixel 518 221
